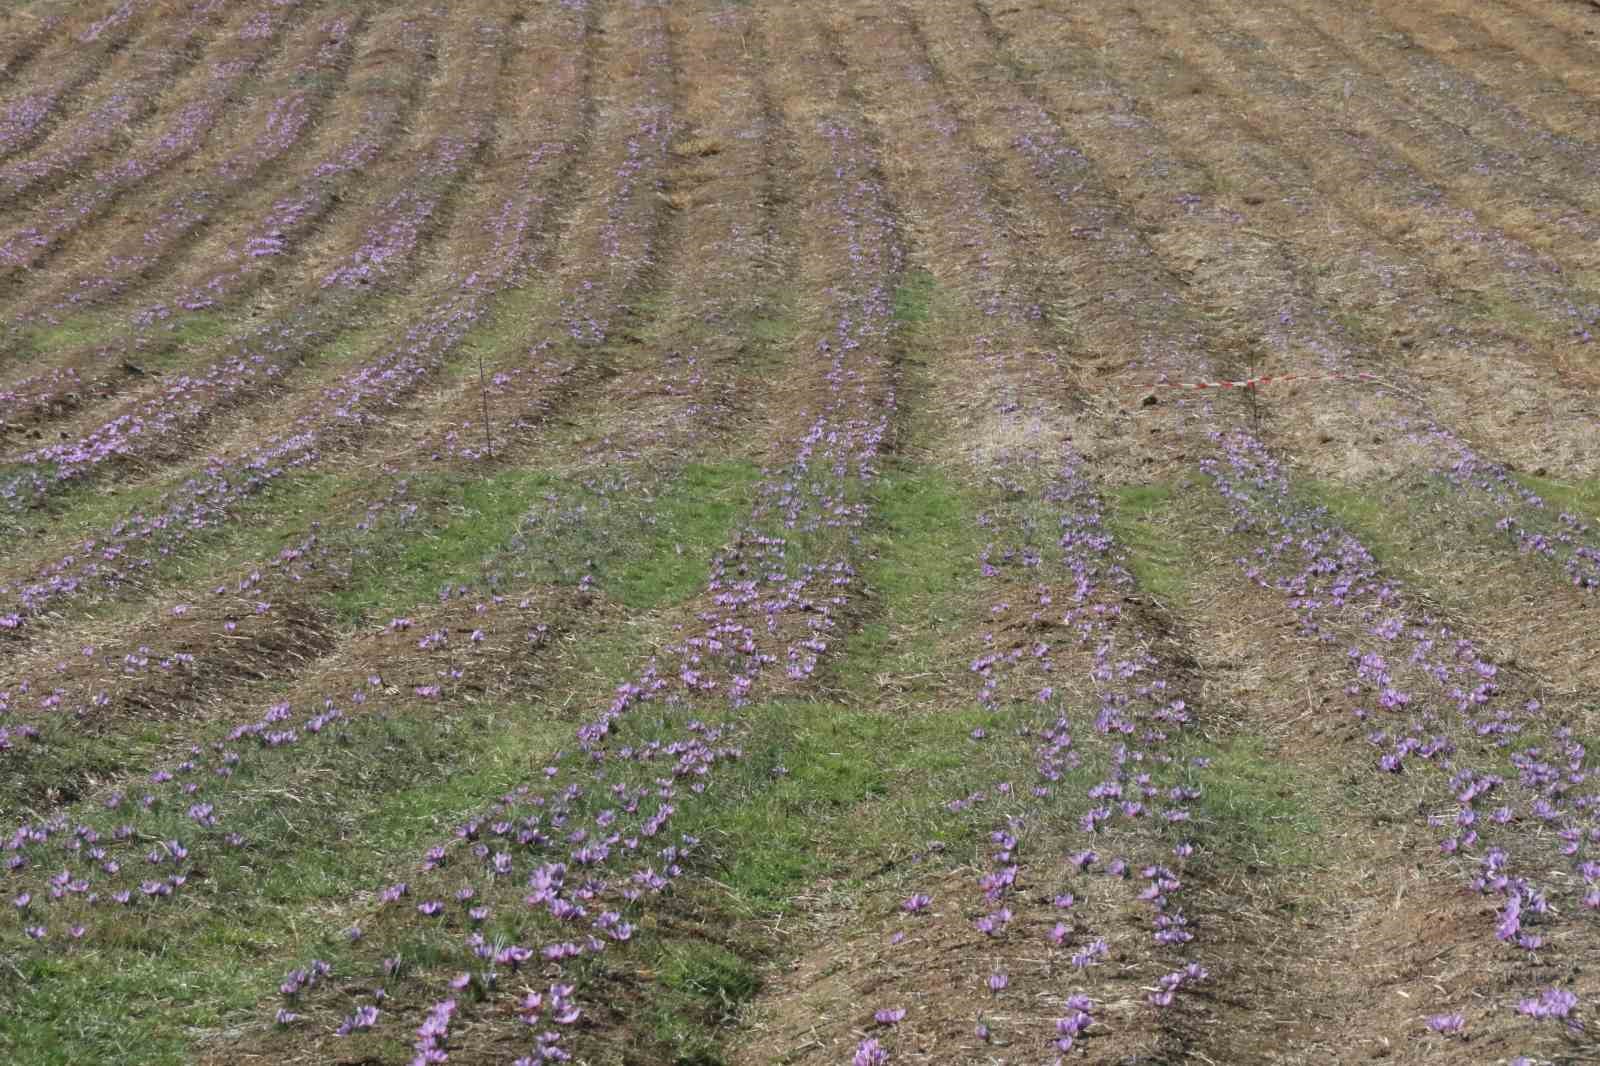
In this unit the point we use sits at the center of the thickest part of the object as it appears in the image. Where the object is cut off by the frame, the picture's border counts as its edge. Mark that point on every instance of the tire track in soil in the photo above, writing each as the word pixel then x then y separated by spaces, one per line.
pixel 302 210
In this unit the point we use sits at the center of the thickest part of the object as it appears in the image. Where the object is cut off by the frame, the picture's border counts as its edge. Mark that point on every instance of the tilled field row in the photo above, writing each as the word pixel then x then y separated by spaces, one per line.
pixel 627 532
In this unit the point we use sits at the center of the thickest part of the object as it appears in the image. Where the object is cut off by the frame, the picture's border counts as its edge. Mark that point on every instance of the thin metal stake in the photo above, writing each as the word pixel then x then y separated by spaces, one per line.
pixel 483 392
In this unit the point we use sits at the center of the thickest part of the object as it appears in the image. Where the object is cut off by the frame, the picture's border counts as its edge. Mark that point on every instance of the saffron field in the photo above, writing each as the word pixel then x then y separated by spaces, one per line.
pixel 672 531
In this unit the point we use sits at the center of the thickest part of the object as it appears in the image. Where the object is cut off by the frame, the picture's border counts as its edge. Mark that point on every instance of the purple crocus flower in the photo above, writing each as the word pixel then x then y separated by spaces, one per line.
pixel 870 1053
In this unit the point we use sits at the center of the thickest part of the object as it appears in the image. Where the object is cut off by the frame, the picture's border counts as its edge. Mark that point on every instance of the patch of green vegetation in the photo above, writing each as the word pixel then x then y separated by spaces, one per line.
pixel 806 765
pixel 923 572
pixel 258 528
pixel 1386 521
pixel 470 518
pixel 322 824
pixel 709 972
pixel 841 791
pixel 199 328
pixel 690 520
pixel 1253 807
pixel 1143 517
pixel 915 299
pixel 772 331
pixel 1503 311
pixel 1581 497
pixel 505 328
pixel 84 330
pixel 699 989
pixel 645 550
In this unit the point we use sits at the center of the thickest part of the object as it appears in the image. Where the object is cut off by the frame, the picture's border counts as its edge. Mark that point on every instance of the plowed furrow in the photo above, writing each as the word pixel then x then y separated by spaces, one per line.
pixel 1308 295
pixel 1459 68
pixel 484 255
pixel 25 30
pixel 202 104
pixel 985 253
pixel 1103 291
pixel 95 267
pixel 1447 126
pixel 1558 38
pixel 1480 253
pixel 214 657
pixel 409 229
pixel 1302 288
pixel 249 254
pixel 138 82
pixel 72 47
pixel 613 242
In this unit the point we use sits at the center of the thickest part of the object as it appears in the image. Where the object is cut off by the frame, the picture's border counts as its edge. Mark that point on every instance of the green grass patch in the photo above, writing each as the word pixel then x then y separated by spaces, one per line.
pixel 922 572
pixel 689 521
pixel 644 545
pixel 915 299
pixel 84 330
pixel 198 328
pixel 505 329
pixel 1253 807
pixel 322 824
pixel 699 988
pixel 1581 498
pixel 467 519
pixel 1389 520
pixel 1144 519
pixel 836 790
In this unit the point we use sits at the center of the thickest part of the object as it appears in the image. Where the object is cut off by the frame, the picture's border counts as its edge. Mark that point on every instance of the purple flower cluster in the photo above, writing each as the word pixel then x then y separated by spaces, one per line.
pixel 1137 711
pixel 22 116
pixel 97 859
pixel 1562 538
pixel 1428 696
pixel 587 851
pixel 67 211
pixel 291 218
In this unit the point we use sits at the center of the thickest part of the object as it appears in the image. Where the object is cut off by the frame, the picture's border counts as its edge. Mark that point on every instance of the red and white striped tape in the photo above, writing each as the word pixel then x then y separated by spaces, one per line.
pixel 1250 383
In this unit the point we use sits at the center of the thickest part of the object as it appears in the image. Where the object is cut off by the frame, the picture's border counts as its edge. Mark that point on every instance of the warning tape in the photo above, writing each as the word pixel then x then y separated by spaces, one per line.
pixel 1250 383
